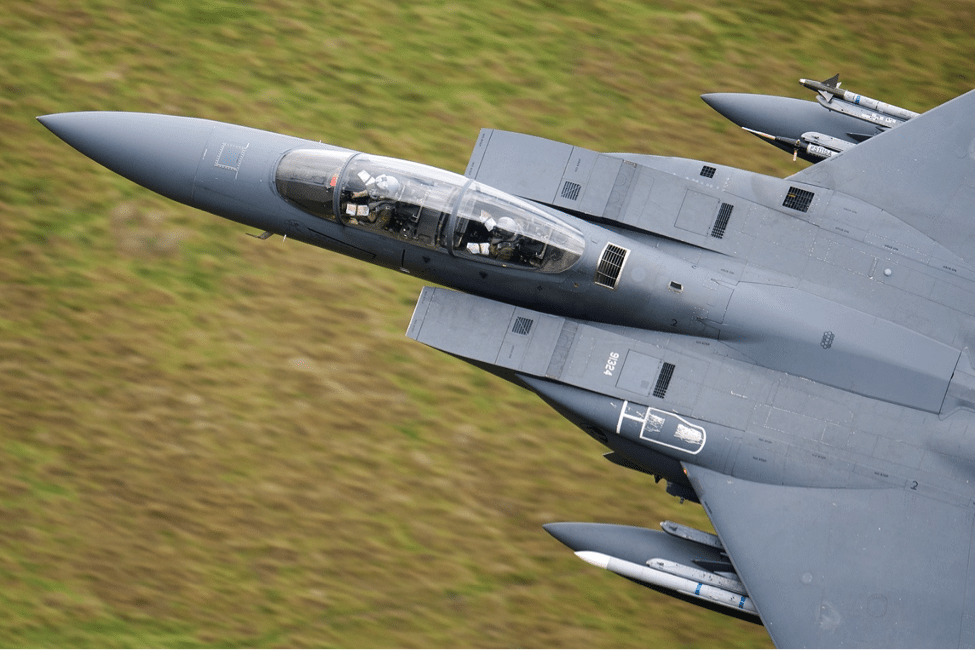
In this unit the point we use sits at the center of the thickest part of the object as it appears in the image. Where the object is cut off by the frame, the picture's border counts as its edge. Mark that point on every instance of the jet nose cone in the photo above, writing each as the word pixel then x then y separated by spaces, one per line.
pixel 160 152
pixel 580 536
pixel 746 110
pixel 710 99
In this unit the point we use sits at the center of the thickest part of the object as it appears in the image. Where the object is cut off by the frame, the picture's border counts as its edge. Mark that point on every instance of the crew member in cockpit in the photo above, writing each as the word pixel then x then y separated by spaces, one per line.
pixel 504 239
pixel 385 187
pixel 372 197
pixel 378 188
pixel 383 190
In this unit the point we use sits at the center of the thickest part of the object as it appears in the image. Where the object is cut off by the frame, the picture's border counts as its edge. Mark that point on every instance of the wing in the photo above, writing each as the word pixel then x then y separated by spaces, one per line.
pixel 836 547
pixel 847 567
pixel 922 171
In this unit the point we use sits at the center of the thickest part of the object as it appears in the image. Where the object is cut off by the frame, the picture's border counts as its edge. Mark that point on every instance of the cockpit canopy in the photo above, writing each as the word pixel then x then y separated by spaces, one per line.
pixel 306 178
pixel 493 225
pixel 427 207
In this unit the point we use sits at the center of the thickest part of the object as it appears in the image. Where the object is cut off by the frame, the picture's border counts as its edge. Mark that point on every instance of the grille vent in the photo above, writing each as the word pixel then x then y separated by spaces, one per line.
pixel 570 191
pixel 798 199
pixel 610 265
pixel 663 380
pixel 721 223
pixel 707 171
pixel 522 325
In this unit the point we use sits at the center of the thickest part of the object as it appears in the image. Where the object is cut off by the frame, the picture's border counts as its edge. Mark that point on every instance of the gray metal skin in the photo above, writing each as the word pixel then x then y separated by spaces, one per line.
pixel 791 353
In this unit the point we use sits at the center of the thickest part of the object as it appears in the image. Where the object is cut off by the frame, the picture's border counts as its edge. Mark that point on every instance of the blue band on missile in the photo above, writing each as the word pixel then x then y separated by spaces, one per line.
pixel 741 605
pixel 697 592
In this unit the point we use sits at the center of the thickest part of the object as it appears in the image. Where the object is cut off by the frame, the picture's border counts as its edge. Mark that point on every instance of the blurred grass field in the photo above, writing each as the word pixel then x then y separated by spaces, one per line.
pixel 207 440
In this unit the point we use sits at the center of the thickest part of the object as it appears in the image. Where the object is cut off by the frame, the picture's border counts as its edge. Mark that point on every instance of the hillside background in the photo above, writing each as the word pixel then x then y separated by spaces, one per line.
pixel 209 440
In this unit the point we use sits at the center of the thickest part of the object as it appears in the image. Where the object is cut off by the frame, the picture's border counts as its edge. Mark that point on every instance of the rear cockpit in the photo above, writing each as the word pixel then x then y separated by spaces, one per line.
pixel 497 226
pixel 428 207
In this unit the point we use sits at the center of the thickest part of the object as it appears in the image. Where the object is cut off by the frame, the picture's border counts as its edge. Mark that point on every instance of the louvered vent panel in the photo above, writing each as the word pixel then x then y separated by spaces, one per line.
pixel 721 223
pixel 663 380
pixel 798 199
pixel 570 190
pixel 610 265
pixel 522 325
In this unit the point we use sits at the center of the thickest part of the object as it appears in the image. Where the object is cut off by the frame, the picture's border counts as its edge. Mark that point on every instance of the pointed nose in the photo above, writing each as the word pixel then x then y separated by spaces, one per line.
pixel 160 152
pixel 757 112
pixel 611 539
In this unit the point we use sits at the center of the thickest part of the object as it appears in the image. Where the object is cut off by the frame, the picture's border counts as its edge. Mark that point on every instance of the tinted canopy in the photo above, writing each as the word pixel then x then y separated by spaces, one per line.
pixel 428 207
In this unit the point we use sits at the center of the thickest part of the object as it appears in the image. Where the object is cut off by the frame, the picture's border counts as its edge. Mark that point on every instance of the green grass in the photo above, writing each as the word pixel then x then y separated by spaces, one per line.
pixel 206 440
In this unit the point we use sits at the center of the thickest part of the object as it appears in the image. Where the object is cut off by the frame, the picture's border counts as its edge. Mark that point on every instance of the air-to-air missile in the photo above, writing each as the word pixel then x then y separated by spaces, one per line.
pixel 810 143
pixel 832 97
pixel 802 127
pixel 633 553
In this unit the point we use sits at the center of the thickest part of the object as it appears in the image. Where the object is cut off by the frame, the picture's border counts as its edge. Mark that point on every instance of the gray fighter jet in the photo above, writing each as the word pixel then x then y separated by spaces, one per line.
pixel 794 354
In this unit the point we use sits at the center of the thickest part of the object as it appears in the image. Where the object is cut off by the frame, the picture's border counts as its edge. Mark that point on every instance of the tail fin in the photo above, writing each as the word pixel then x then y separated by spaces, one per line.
pixel 922 172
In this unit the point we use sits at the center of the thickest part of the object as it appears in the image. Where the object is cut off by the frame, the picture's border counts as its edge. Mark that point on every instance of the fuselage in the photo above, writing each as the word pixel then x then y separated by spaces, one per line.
pixel 464 234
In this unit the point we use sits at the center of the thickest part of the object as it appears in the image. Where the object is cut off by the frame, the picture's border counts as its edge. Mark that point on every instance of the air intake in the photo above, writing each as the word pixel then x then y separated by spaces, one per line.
pixel 610 266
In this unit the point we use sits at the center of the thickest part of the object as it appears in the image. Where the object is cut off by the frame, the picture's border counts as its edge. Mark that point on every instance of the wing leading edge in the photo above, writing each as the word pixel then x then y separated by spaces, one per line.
pixel 847 567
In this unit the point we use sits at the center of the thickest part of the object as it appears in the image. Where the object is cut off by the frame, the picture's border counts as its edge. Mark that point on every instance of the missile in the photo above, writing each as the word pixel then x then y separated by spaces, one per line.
pixel 813 144
pixel 697 575
pixel 692 534
pixel 682 585
pixel 858 106
pixel 663 560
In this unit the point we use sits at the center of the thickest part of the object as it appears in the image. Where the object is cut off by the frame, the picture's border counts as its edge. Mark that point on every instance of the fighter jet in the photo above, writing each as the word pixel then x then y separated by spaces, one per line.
pixel 809 131
pixel 793 354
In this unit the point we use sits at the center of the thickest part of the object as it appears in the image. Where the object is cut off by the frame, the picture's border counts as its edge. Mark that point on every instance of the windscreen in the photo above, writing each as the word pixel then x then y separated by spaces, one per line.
pixel 306 178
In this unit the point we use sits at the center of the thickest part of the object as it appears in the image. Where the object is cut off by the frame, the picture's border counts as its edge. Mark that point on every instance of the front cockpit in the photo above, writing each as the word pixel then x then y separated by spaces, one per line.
pixel 398 198
pixel 428 207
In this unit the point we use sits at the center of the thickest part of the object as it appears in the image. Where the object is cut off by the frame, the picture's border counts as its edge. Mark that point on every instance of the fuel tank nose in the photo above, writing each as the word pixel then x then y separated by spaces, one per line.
pixel 160 152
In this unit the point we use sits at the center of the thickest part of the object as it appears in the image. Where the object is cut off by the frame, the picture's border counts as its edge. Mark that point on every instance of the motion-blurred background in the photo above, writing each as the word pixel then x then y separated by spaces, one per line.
pixel 206 439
